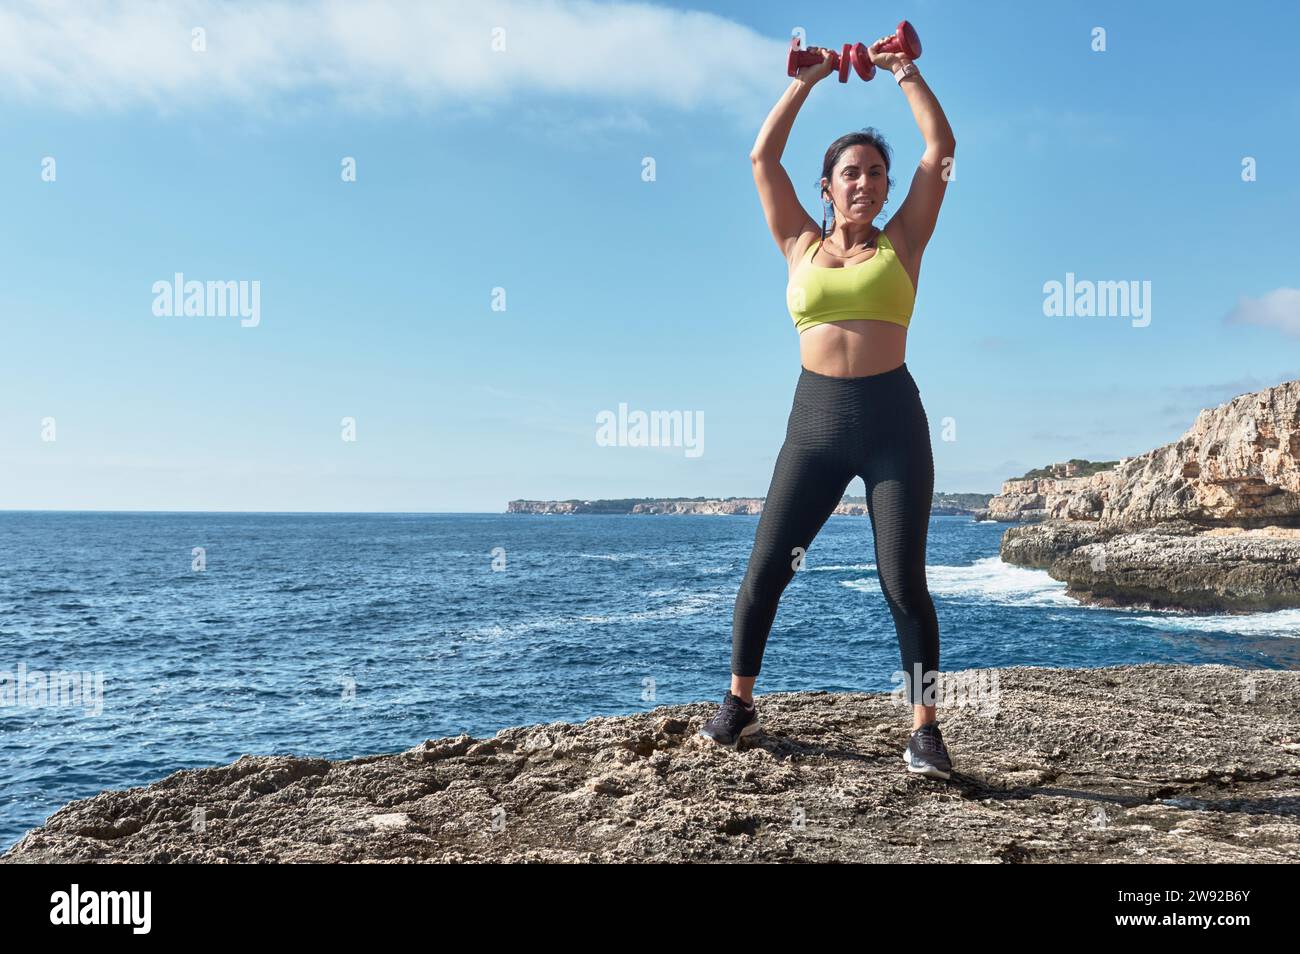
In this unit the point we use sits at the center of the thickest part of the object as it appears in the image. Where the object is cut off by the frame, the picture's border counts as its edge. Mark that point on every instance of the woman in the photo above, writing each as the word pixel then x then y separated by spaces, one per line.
pixel 857 410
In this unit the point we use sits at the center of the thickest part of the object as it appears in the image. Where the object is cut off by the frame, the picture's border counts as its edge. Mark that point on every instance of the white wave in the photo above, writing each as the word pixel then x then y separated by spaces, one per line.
pixel 847 566
pixel 988 580
pixel 992 581
pixel 683 603
pixel 511 630
pixel 688 606
pixel 864 585
pixel 1284 623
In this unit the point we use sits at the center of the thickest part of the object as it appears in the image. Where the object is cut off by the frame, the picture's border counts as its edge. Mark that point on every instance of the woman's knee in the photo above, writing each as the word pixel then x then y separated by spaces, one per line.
pixel 908 594
pixel 767 577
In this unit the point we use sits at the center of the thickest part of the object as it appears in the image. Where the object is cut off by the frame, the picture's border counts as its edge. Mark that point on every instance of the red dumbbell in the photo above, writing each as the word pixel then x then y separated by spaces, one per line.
pixel 903 41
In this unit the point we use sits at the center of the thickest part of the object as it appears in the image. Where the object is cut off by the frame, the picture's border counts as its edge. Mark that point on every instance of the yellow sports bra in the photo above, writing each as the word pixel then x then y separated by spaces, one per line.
pixel 878 289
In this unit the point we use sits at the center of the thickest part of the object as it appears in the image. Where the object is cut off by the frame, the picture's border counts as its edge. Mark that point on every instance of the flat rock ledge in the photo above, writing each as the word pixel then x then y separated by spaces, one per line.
pixel 1175 565
pixel 1145 763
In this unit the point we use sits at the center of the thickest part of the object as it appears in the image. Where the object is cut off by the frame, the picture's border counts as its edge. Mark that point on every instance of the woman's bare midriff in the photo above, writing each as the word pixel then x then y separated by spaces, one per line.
pixel 854 348
pixel 857 347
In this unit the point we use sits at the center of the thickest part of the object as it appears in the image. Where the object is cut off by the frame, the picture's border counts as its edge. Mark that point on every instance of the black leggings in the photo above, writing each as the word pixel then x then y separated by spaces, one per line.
pixel 872 427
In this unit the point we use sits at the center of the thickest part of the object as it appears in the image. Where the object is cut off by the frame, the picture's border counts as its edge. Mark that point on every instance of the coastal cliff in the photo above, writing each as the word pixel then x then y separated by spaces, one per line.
pixel 1209 522
pixel 1043 493
pixel 1054 765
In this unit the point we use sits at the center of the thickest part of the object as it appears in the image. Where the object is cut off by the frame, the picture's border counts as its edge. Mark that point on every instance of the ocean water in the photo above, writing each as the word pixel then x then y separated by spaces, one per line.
pixel 345 635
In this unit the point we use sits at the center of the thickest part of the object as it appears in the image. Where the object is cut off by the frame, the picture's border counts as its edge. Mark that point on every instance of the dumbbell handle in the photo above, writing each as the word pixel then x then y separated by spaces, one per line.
pixel 800 58
pixel 855 55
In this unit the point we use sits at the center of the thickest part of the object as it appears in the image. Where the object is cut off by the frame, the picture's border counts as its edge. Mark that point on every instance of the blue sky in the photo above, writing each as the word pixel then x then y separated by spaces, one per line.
pixel 521 169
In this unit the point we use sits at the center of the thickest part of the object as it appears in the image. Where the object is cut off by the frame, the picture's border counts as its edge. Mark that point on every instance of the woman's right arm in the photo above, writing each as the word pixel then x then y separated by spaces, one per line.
pixel 786 217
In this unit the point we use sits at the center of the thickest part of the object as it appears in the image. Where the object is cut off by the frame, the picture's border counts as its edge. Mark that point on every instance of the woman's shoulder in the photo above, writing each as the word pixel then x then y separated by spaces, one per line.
pixel 893 231
pixel 799 250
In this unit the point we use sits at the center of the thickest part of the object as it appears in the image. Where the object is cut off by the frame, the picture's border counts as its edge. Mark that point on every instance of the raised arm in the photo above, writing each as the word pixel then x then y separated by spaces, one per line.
pixel 920 210
pixel 785 215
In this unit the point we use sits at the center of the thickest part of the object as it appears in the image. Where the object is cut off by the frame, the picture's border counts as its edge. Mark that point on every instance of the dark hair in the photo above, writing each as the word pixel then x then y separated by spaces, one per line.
pixel 870 136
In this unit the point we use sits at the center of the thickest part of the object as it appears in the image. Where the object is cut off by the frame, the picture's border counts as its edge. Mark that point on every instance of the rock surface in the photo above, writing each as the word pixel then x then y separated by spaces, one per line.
pixel 1176 566
pixel 1150 763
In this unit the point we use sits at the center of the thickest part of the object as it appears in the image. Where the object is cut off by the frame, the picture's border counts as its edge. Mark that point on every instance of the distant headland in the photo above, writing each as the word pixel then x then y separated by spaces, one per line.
pixel 944 504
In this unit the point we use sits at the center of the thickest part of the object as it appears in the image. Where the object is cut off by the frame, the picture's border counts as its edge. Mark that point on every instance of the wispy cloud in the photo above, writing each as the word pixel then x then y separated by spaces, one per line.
pixel 1279 309
pixel 382 55
pixel 515 396
pixel 1192 398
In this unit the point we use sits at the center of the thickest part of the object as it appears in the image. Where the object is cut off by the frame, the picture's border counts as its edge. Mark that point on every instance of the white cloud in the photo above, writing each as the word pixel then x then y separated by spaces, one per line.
pixel 1278 309
pixel 381 55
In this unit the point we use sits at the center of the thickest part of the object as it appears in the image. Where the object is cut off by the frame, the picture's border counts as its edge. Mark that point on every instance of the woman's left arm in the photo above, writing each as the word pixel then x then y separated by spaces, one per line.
pixel 920 210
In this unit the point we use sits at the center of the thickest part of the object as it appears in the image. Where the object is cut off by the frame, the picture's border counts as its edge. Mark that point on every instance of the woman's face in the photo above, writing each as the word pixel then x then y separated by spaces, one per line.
pixel 859 184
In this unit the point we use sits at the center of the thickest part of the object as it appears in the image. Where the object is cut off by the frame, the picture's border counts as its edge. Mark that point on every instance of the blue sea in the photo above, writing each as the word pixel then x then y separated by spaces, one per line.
pixel 214 635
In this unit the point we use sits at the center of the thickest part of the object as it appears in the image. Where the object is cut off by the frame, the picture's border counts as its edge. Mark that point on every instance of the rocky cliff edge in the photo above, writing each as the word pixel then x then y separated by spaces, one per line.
pixel 1148 763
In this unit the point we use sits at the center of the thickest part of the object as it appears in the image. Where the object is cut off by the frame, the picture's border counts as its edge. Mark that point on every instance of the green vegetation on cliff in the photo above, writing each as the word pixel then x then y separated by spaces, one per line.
pixel 1085 468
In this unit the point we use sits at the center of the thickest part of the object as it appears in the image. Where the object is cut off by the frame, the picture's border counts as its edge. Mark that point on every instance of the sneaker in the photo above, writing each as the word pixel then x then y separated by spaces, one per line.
pixel 926 754
pixel 733 722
